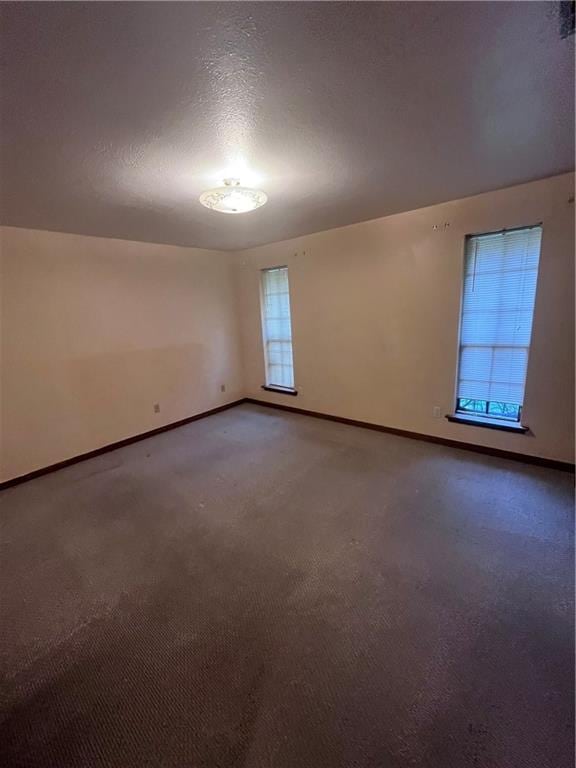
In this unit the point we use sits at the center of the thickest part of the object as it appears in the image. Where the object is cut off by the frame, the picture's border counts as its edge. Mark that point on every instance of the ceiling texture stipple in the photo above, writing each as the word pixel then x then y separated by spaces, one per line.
pixel 115 117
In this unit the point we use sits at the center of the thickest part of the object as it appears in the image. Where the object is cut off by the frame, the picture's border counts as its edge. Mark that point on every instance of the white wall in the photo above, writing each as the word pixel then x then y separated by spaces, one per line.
pixel 375 315
pixel 95 331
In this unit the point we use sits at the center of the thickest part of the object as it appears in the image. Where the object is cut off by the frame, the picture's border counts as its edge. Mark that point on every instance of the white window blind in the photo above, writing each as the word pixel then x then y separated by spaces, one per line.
pixel 501 271
pixel 276 328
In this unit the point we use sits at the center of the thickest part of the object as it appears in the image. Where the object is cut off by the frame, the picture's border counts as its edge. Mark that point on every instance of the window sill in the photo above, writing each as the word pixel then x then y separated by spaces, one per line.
pixel 280 390
pixel 504 426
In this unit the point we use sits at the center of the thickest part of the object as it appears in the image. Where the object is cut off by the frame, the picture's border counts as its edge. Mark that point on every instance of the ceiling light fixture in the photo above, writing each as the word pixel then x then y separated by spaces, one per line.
pixel 232 198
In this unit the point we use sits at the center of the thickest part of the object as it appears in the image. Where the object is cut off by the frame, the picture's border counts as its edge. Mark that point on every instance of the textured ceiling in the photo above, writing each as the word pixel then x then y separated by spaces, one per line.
pixel 115 116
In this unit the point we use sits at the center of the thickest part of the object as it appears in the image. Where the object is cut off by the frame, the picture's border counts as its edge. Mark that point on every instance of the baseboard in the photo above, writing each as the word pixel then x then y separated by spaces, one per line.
pixel 114 446
pixel 565 466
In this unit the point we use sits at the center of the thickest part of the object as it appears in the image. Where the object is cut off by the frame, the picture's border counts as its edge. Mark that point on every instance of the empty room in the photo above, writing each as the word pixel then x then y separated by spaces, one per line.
pixel 287 341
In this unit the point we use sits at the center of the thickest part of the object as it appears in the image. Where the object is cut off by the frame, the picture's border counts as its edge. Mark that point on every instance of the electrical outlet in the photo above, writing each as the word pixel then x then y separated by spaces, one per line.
pixel 222 387
pixel 436 411
pixel 156 407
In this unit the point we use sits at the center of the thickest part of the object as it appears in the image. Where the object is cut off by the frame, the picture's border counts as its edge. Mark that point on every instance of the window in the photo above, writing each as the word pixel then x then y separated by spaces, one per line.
pixel 276 328
pixel 500 275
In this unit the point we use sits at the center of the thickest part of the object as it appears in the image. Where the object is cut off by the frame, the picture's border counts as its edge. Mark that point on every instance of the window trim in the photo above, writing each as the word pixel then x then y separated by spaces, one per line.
pixel 277 388
pixel 480 420
pixel 280 390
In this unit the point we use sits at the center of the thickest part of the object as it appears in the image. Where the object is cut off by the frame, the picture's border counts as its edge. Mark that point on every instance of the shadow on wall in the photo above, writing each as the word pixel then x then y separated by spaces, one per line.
pixel 74 405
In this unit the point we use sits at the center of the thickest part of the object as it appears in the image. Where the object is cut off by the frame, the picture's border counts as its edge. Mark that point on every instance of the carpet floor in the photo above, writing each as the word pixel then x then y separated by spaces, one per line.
pixel 267 590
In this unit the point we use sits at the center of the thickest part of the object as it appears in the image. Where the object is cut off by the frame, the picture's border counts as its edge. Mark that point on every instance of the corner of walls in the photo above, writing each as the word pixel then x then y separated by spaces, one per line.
pixel 97 331
pixel 236 262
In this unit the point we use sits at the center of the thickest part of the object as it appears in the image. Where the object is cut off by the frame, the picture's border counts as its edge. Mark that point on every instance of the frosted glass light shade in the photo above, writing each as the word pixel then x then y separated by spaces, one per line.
pixel 232 198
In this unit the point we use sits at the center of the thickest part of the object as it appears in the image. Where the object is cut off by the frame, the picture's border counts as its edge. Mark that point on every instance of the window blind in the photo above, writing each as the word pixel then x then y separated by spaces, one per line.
pixel 501 271
pixel 276 328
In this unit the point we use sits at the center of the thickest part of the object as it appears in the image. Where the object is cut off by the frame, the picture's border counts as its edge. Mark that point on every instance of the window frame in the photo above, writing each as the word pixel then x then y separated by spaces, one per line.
pixel 267 386
pixel 486 419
